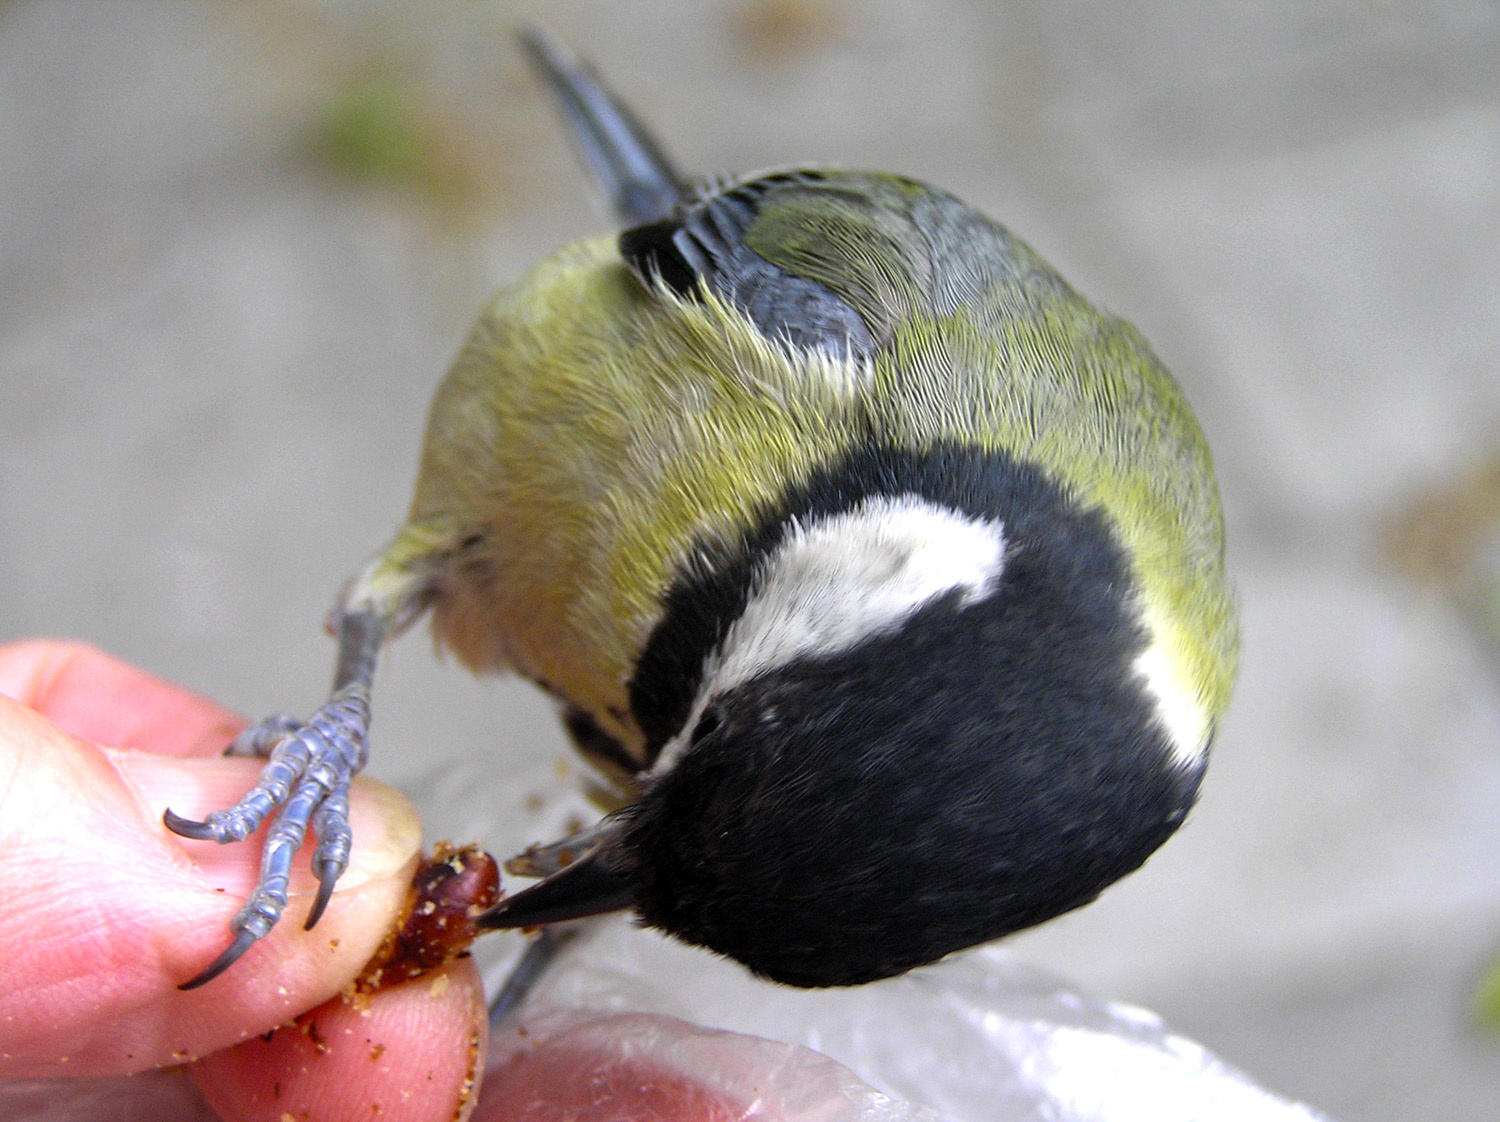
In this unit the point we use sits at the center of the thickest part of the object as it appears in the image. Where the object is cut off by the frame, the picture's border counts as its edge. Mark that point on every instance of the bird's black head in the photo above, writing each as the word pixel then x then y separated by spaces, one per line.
pixel 990 760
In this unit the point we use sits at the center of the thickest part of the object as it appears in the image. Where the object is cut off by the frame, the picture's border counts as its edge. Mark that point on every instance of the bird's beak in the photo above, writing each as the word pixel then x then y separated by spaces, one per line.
pixel 586 887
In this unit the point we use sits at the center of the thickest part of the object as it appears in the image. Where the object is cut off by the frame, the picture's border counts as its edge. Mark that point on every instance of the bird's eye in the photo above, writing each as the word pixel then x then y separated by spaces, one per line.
pixel 707 725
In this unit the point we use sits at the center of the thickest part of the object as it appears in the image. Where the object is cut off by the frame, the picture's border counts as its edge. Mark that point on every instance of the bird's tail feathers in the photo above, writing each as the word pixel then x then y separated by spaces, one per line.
pixel 637 178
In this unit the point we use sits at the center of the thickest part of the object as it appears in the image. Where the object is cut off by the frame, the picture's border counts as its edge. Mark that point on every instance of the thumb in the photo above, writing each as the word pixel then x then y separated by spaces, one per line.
pixel 106 911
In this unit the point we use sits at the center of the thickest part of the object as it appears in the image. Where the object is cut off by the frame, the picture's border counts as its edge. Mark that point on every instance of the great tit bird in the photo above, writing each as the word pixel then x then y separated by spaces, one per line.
pixel 883 570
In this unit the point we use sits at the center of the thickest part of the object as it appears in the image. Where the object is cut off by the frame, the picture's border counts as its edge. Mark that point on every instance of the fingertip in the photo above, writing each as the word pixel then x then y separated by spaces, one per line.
pixel 29 666
pixel 131 927
pixel 411 1053
pixel 90 694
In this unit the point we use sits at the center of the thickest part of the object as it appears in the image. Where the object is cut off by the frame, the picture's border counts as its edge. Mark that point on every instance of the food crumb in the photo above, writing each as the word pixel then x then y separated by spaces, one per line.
pixel 439 986
pixel 470 1088
pixel 310 1030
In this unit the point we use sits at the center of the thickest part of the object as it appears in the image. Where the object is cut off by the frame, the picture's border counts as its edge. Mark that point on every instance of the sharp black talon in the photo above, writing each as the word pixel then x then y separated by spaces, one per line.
pixel 328 876
pixel 187 828
pixel 227 958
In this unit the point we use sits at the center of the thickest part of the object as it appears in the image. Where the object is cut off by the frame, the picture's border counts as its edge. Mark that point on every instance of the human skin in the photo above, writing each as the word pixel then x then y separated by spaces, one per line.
pixel 105 912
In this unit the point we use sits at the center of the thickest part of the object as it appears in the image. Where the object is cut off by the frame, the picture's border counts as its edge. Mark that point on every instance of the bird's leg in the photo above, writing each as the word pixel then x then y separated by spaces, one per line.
pixel 528 970
pixel 306 779
pixel 310 764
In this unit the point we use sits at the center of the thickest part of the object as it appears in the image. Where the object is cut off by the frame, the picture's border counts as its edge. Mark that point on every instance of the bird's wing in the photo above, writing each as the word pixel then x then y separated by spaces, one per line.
pixel 712 241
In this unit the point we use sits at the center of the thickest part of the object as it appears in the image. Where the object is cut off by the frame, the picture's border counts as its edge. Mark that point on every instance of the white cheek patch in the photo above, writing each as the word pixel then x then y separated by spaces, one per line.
pixel 1176 707
pixel 845 578
pixel 857 574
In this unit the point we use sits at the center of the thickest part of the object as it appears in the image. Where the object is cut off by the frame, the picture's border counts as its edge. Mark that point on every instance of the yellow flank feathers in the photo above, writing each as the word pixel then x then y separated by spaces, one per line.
pixel 1081 395
pixel 587 436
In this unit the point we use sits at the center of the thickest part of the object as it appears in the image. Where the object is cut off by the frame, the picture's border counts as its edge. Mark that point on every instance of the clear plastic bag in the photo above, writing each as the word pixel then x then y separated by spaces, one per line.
pixel 981 1036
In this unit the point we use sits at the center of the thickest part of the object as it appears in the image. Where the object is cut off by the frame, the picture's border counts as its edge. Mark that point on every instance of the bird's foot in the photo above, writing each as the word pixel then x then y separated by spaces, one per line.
pixel 309 766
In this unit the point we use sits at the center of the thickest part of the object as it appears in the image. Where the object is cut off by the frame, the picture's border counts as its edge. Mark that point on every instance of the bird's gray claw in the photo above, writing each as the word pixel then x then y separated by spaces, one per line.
pixel 227 957
pixel 305 782
pixel 188 827
pixel 328 876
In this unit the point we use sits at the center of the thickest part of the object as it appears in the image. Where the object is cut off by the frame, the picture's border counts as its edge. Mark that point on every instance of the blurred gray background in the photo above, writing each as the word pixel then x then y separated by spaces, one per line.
pixel 240 241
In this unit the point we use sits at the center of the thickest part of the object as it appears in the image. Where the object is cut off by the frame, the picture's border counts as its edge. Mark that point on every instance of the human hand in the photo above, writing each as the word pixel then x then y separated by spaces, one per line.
pixel 103 912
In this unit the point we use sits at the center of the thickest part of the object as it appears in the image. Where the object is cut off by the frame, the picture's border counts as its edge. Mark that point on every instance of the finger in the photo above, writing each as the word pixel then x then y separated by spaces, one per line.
pixel 105 912
pixel 98 698
pixel 411 1054
pixel 592 1066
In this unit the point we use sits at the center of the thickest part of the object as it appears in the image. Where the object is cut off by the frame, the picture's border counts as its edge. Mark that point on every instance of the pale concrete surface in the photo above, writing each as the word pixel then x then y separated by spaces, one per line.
pixel 214 361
